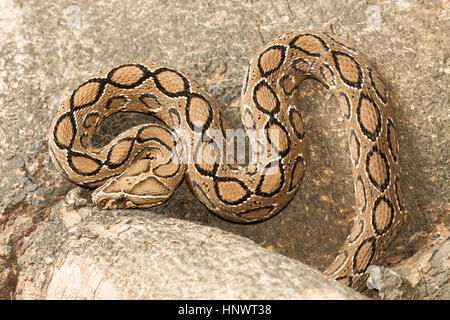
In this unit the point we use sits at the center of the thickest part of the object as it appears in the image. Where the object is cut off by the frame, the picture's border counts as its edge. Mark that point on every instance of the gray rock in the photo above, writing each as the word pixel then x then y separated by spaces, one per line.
pixel 428 271
pixel 89 254
pixel 425 275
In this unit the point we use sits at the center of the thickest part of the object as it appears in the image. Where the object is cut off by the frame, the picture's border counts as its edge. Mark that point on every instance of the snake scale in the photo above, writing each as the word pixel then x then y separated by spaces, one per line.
pixel 142 166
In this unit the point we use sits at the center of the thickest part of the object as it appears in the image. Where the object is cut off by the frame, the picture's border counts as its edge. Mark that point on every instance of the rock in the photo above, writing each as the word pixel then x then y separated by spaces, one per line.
pixel 425 275
pixel 73 198
pixel 89 254
pixel 389 284
pixel 428 271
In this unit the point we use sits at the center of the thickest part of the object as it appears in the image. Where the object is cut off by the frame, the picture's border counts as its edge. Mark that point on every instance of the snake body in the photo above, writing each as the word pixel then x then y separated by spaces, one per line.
pixel 142 166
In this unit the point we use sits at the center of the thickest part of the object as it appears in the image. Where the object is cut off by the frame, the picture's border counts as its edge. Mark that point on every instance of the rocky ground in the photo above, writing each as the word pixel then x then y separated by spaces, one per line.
pixel 48 47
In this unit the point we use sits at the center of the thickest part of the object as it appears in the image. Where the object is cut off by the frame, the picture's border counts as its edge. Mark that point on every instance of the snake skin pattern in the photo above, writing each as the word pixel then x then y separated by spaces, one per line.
pixel 142 166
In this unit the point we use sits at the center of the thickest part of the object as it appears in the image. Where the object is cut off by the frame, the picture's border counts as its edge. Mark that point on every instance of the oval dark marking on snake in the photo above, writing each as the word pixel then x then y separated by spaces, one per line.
pixel 56 136
pixel 269 54
pixel 114 102
pixel 237 184
pixel 94 164
pixel 267 179
pixel 370 120
pixel 173 94
pixel 175 118
pixel 140 139
pixel 116 163
pixel 298 170
pixel 293 44
pixel 281 83
pixel 192 111
pixel 207 169
pixel 295 123
pixel 150 101
pixel 275 107
pixel 380 185
pixel 369 246
pixel 283 145
pixel 357 83
pixel 99 91
pixel 382 213
pixel 137 82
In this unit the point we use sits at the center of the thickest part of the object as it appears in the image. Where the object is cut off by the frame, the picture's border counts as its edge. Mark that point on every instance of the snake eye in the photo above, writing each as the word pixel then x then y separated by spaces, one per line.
pixel 119 203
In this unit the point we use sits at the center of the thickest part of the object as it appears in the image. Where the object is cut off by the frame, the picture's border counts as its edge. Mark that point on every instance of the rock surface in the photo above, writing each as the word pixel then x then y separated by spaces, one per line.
pixel 87 254
pixel 423 276
pixel 48 47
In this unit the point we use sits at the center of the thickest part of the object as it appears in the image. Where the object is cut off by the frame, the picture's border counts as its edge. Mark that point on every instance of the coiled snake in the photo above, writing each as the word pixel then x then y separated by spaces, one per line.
pixel 142 166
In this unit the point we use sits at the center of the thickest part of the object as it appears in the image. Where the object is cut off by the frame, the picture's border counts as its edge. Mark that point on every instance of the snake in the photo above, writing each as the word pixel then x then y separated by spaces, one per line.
pixel 143 165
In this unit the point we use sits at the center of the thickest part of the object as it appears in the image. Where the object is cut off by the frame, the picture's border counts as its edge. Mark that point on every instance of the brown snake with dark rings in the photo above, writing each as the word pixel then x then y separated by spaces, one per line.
pixel 142 166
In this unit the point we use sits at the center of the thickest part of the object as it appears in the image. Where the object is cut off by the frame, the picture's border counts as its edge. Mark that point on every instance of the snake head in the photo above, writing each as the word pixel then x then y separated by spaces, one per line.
pixel 119 202
pixel 138 186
